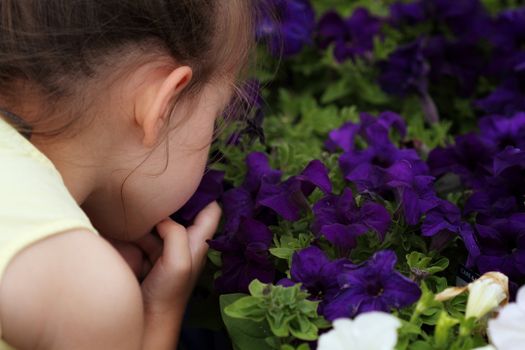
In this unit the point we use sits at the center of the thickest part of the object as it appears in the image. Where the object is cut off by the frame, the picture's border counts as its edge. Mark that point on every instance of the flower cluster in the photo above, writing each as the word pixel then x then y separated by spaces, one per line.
pixel 380 176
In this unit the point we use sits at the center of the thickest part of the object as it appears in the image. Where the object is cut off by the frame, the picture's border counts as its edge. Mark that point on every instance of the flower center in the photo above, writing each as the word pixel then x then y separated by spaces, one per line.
pixel 374 289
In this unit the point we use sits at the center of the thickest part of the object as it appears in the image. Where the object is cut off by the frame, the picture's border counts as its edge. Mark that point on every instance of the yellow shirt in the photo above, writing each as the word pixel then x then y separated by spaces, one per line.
pixel 34 201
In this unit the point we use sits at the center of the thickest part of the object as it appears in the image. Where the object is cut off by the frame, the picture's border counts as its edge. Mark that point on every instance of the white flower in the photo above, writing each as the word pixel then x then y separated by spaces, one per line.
pixel 486 293
pixel 507 331
pixel 368 331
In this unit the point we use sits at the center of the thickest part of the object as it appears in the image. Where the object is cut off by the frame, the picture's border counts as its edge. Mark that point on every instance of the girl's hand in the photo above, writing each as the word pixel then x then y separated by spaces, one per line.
pixel 167 287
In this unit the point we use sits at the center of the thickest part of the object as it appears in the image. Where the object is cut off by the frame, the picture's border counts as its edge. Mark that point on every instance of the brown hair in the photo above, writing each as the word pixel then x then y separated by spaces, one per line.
pixel 56 46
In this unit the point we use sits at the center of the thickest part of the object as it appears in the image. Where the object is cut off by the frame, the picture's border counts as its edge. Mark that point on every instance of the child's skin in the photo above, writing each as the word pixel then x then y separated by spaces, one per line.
pixel 74 290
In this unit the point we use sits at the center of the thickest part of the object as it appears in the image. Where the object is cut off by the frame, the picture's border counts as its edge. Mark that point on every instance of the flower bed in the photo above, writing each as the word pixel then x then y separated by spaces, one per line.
pixel 381 165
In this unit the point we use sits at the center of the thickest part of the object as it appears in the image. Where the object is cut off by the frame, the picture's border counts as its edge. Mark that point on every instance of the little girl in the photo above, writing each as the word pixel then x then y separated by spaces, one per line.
pixel 107 113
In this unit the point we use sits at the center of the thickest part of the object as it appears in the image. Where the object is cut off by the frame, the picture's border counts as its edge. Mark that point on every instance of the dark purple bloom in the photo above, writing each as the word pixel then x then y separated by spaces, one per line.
pixel 241 201
pixel 236 204
pixel 442 223
pixel 247 107
pixel 459 61
pixel 501 132
pixel 259 170
pixel 445 217
pixel 415 192
pixel 467 235
pixel 405 71
pixel 407 13
pixel 509 97
pixel 508 30
pixel 367 168
pixel 504 190
pixel 287 25
pixel 468 19
pixel 288 198
pixel 209 190
pixel 341 221
pixel 470 158
pixel 353 36
pixel 374 130
pixel 343 138
pixel 317 274
pixel 502 246
pixel 373 286
pixel 245 257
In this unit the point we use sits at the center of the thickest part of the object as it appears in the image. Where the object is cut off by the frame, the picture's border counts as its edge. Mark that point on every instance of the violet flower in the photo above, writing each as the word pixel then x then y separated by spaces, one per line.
pixel 317 274
pixel 402 13
pixel 415 192
pixel 509 97
pixel 504 190
pixel 245 257
pixel 508 30
pixel 209 190
pixel 373 286
pixel 468 19
pixel 459 61
pixel 353 37
pixel 368 168
pixel 501 132
pixel 372 129
pixel 288 199
pixel 470 158
pixel 287 26
pixel 241 201
pixel 502 246
pixel 341 221
pixel 445 217
pixel 405 71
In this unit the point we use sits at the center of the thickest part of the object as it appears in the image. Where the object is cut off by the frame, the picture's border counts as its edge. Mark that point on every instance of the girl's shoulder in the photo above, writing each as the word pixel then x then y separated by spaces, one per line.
pixel 34 201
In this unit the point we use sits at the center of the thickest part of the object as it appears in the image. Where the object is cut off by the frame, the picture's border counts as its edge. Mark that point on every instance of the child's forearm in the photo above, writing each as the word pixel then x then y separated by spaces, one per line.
pixel 161 330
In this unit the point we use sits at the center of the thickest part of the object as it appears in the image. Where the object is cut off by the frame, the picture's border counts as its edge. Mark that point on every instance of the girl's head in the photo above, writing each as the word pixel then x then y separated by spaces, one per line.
pixel 124 92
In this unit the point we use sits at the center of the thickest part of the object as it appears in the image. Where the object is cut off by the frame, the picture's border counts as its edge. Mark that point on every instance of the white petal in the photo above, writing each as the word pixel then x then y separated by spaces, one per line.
pixel 375 331
pixel 338 337
pixel 507 331
pixel 520 298
pixel 368 331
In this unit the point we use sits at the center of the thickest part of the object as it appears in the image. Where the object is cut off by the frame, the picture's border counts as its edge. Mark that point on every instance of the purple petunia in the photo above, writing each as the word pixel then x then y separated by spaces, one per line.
pixel 502 246
pixel 352 37
pixel 501 132
pixel 372 129
pixel 286 25
pixel 209 190
pixel 505 187
pixel 405 71
pixel 317 274
pixel 470 158
pixel 341 221
pixel 372 286
pixel 245 256
pixel 402 13
pixel 415 192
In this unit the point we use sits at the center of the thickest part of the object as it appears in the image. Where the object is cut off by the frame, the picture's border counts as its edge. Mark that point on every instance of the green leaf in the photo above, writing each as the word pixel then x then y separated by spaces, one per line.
pixel 247 307
pixel 443 328
pixel 245 334
pixel 422 265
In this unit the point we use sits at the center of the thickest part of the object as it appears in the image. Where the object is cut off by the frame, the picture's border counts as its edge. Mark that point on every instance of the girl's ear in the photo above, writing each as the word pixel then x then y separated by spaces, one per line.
pixel 151 111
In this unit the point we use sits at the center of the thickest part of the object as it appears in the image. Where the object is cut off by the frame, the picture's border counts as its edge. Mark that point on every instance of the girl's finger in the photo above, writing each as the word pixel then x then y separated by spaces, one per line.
pixel 151 245
pixel 176 252
pixel 204 227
